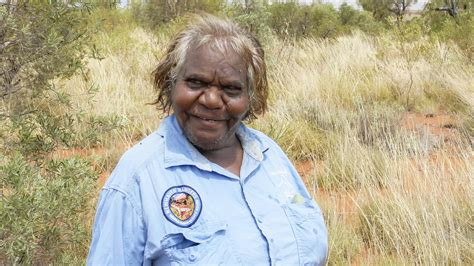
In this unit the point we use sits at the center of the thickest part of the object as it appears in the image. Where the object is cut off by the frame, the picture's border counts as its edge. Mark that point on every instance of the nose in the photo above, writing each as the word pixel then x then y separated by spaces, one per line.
pixel 211 98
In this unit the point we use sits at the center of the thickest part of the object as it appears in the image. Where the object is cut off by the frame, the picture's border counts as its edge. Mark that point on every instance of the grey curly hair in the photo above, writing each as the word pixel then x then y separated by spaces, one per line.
pixel 223 35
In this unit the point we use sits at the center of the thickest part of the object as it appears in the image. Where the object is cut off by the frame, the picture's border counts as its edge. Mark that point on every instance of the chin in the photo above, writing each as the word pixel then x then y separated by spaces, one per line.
pixel 205 144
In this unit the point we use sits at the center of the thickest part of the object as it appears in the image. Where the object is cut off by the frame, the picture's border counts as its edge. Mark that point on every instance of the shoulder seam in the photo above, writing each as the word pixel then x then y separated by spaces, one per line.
pixel 127 197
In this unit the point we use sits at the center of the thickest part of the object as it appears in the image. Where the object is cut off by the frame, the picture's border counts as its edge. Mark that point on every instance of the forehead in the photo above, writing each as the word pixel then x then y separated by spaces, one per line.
pixel 209 61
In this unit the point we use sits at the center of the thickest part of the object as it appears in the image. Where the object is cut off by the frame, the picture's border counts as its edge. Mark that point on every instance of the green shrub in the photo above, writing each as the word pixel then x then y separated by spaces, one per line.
pixel 351 19
pixel 253 17
pixel 286 19
pixel 460 31
pixel 45 196
pixel 43 209
pixel 39 43
pixel 155 13
pixel 294 20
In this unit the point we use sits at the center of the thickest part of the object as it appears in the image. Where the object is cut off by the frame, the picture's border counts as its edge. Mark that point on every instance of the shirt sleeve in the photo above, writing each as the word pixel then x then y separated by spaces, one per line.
pixel 118 235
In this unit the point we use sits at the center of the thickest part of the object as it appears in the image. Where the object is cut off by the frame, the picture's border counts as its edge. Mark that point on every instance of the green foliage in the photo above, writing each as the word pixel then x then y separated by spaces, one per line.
pixel 324 20
pixel 318 20
pixel 382 9
pixel 43 209
pixel 454 5
pixel 106 4
pixel 45 196
pixel 253 16
pixel 39 43
pixel 155 13
pixel 294 20
pixel 351 19
pixel 287 19
pixel 459 30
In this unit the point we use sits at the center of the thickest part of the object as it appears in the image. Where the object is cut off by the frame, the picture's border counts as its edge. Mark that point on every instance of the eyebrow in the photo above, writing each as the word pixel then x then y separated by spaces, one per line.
pixel 195 76
pixel 234 83
pixel 204 78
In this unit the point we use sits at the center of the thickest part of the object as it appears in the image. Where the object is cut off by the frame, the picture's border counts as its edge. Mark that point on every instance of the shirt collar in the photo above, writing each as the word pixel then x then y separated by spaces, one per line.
pixel 179 151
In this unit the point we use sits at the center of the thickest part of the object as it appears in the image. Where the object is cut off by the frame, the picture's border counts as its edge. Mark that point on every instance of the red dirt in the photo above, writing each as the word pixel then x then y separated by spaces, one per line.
pixel 102 178
pixel 442 126
pixel 343 202
pixel 304 169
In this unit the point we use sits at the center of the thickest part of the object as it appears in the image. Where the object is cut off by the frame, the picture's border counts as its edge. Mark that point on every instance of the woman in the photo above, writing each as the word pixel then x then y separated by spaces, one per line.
pixel 204 188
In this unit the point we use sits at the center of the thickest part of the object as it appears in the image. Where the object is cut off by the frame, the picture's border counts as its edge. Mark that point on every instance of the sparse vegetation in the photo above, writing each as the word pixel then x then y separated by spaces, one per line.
pixel 381 111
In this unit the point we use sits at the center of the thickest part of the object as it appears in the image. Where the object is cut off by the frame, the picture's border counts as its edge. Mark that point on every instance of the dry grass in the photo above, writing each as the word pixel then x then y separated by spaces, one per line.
pixel 391 194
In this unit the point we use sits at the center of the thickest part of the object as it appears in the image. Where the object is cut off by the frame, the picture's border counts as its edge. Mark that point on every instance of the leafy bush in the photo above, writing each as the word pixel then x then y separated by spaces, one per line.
pixel 459 30
pixel 253 17
pixel 39 43
pixel 351 19
pixel 45 197
pixel 319 20
pixel 43 209
pixel 155 13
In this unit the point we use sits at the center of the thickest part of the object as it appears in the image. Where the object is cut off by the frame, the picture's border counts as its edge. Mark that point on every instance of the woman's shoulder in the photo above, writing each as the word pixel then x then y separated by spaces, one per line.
pixel 134 160
pixel 265 140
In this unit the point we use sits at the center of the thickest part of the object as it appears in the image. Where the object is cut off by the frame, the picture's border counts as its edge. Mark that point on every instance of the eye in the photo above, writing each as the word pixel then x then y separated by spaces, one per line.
pixel 232 90
pixel 195 83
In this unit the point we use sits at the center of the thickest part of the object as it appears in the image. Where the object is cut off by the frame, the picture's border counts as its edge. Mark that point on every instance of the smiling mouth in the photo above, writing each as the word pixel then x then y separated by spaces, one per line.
pixel 208 119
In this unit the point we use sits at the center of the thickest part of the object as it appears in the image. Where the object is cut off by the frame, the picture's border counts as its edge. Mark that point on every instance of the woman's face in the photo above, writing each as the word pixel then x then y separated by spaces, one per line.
pixel 210 98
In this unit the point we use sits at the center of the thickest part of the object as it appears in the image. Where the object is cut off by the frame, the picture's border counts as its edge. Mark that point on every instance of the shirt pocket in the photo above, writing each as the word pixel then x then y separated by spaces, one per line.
pixel 309 230
pixel 204 243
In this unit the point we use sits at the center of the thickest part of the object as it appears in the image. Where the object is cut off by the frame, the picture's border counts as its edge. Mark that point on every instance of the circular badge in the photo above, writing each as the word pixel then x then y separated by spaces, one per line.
pixel 181 205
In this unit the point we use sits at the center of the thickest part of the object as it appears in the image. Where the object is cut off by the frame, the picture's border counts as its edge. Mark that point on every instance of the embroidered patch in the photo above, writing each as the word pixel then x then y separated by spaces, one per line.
pixel 181 205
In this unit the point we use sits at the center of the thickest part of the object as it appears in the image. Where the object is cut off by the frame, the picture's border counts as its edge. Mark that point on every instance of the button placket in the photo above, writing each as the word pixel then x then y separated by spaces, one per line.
pixel 254 210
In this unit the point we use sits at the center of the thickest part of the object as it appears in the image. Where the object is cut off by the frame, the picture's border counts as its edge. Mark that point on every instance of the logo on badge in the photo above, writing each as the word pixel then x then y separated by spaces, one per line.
pixel 181 205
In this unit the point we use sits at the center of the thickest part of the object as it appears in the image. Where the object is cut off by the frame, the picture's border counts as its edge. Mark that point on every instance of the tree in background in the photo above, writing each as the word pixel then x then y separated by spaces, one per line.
pixel 154 13
pixel 455 23
pixel 451 7
pixel 381 9
pixel 323 21
pixel 318 20
pixel 351 19
pixel 252 15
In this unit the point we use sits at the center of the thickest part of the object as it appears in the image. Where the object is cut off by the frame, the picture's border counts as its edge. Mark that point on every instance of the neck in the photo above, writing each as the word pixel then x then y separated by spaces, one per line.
pixel 228 157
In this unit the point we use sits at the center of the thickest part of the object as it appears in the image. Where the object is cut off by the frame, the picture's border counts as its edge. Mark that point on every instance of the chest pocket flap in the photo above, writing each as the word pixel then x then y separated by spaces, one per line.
pixel 199 244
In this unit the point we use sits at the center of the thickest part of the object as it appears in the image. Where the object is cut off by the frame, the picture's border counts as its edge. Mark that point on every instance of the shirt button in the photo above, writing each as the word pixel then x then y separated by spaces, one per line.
pixel 192 257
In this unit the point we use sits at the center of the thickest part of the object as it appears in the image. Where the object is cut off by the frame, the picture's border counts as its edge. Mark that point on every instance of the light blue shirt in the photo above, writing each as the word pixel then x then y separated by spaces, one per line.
pixel 265 216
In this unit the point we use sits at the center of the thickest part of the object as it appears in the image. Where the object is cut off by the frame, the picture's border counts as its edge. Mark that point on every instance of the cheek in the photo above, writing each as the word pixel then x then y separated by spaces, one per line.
pixel 238 107
pixel 182 99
